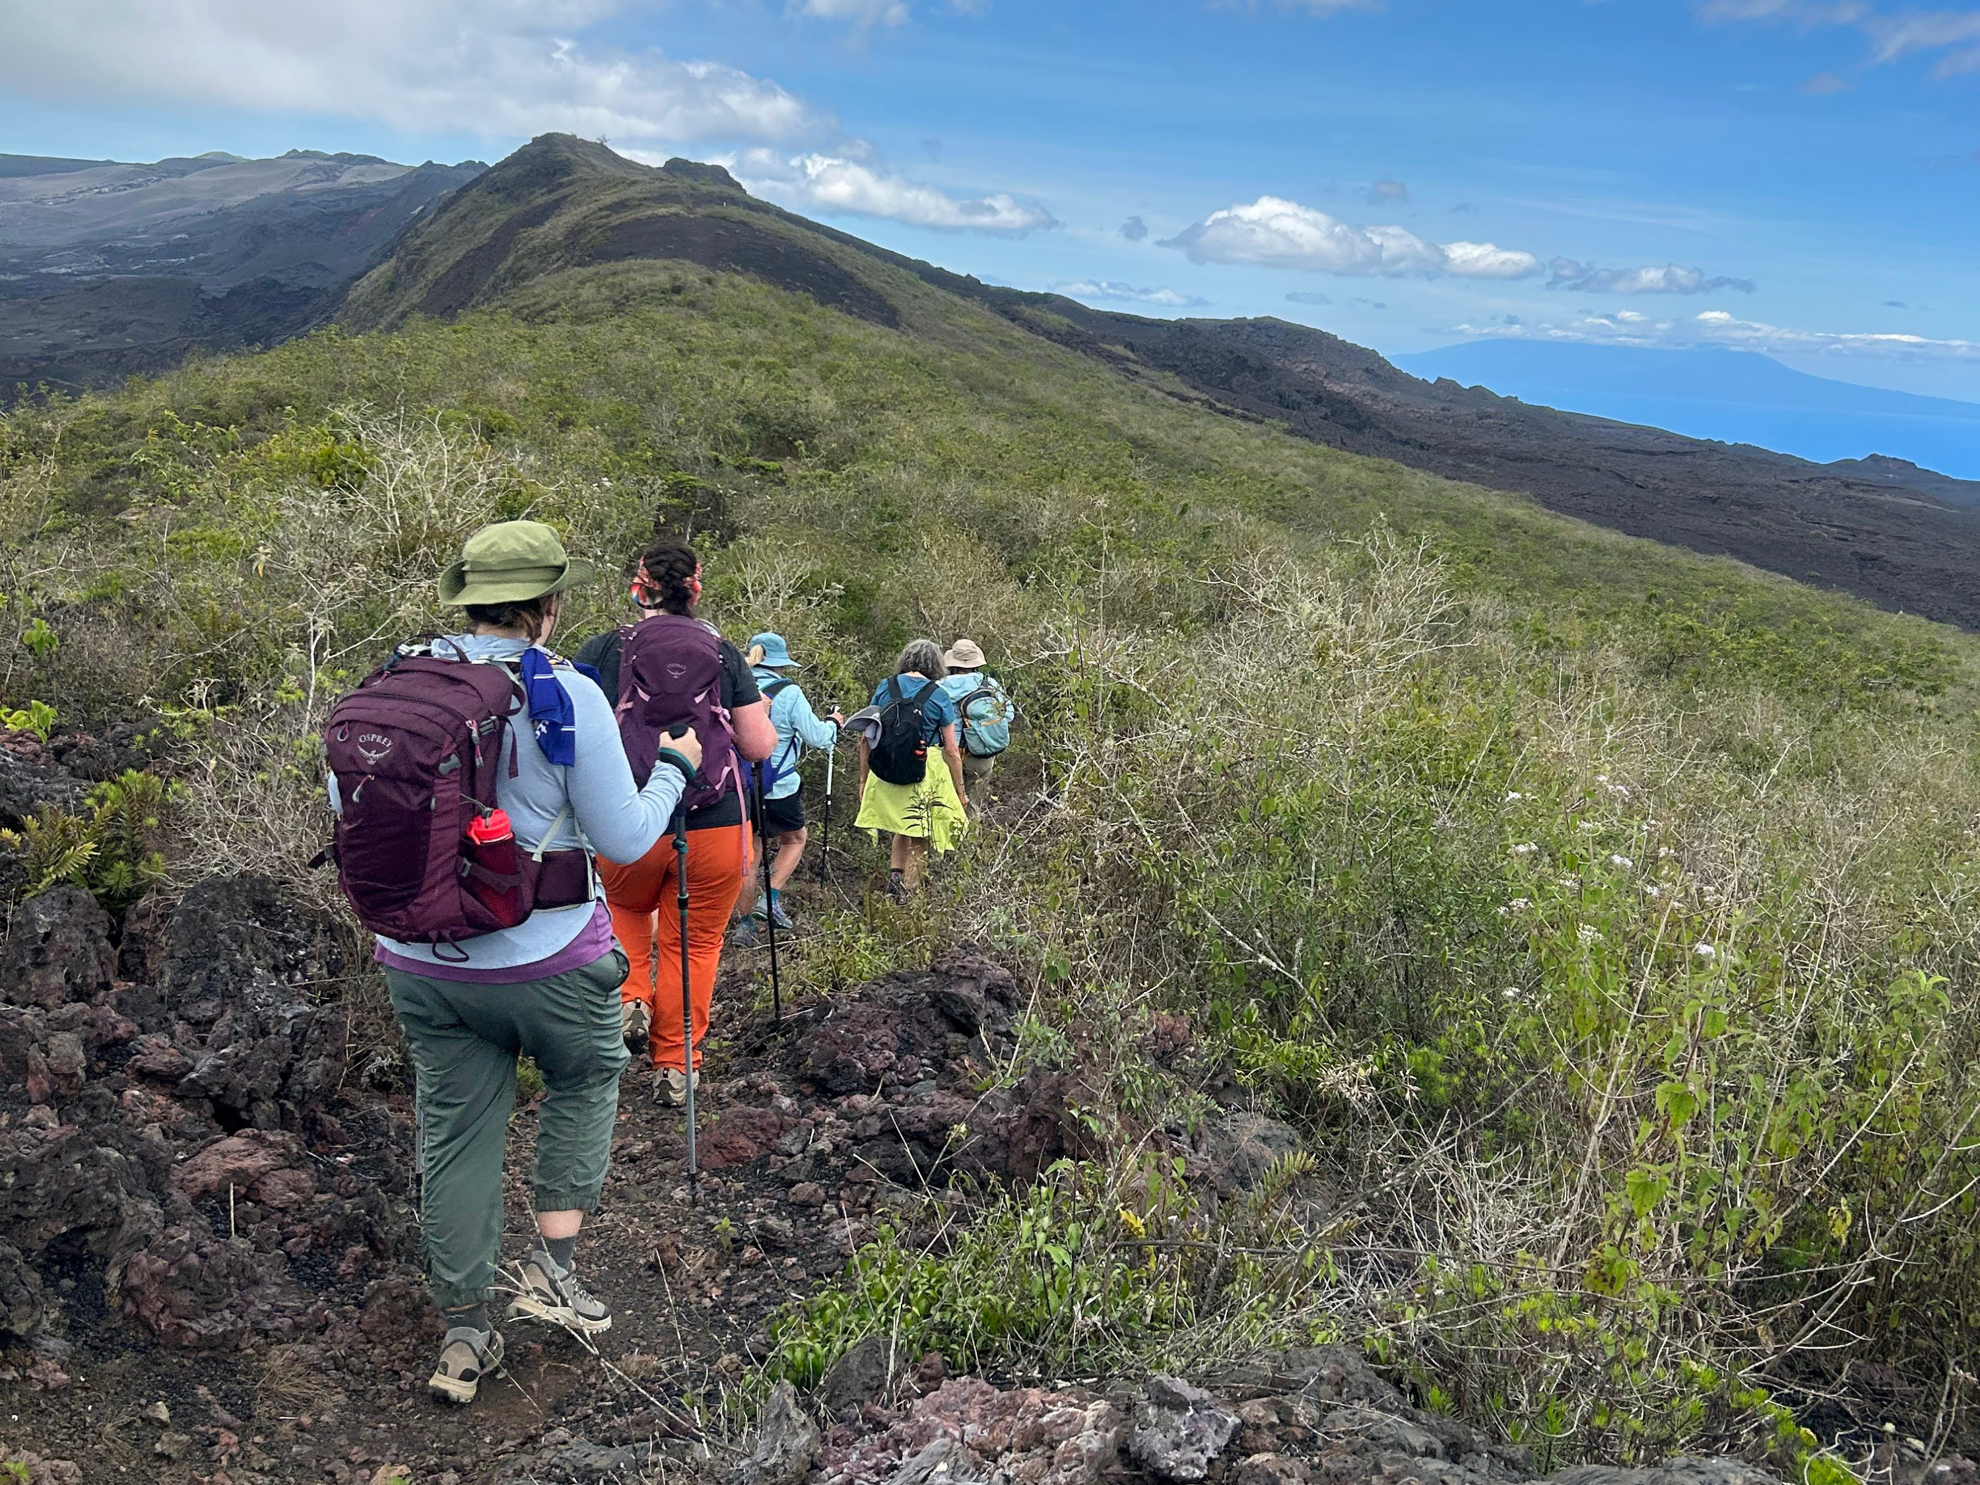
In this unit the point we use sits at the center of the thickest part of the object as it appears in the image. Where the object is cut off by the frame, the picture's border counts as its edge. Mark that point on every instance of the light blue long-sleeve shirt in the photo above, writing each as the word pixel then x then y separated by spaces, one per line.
pixel 798 727
pixel 593 805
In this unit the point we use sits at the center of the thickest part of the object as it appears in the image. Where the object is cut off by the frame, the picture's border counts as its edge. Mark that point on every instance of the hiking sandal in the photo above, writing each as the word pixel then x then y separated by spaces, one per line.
pixel 467 1356
pixel 554 1294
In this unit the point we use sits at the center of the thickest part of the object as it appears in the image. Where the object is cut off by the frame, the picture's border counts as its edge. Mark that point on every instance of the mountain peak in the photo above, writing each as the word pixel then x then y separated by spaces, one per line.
pixel 553 160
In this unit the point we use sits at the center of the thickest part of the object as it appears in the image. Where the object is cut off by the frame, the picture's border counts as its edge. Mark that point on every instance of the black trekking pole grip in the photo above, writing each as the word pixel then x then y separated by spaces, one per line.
pixel 687 991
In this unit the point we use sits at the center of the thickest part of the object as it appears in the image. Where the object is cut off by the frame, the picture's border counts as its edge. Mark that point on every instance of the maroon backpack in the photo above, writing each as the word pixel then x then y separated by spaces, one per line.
pixel 423 852
pixel 670 672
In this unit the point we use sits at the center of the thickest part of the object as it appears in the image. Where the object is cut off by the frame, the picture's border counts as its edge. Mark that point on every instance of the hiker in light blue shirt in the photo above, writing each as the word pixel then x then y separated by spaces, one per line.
pixel 986 712
pixel 798 728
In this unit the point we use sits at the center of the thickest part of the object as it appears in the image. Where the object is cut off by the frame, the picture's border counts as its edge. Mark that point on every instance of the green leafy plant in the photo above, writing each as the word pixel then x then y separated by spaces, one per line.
pixel 40 638
pixel 37 717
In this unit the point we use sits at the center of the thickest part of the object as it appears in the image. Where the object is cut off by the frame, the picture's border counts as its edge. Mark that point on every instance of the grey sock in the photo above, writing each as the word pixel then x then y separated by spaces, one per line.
pixel 469 1317
pixel 561 1250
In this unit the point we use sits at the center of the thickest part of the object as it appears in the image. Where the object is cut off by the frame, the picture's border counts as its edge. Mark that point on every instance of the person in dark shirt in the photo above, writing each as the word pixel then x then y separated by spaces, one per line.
pixel 668 580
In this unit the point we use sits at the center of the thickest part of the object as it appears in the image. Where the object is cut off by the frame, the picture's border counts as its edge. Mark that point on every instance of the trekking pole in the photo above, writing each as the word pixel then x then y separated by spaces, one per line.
pixel 687 996
pixel 825 850
pixel 769 902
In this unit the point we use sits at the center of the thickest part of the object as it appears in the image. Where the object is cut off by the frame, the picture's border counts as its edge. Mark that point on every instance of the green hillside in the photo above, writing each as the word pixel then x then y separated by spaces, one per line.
pixel 1602 915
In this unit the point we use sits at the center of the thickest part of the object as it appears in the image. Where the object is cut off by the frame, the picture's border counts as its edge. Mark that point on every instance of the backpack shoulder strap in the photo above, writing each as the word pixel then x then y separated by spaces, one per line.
pixel 894 685
pixel 777 687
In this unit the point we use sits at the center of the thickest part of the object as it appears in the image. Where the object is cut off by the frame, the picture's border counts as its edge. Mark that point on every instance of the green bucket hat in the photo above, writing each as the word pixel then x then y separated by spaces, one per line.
pixel 510 562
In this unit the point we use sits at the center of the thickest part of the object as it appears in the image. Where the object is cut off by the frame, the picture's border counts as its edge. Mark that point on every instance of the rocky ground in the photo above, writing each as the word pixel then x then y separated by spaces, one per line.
pixel 208 1241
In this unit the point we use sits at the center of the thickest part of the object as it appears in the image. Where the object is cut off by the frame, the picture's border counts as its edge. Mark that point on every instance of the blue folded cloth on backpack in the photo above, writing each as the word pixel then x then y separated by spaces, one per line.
pixel 551 715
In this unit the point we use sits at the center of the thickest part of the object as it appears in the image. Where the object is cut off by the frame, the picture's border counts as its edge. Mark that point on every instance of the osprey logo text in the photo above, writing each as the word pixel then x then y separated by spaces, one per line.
pixel 373 746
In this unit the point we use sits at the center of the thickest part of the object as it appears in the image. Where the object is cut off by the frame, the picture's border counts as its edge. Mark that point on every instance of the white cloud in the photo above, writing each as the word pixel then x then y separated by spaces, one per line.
pixel 1717 327
pixel 489 67
pixel 1671 278
pixel 1892 37
pixel 834 184
pixel 501 69
pixel 1275 233
pixel 861 13
pixel 1108 290
pixel 1899 36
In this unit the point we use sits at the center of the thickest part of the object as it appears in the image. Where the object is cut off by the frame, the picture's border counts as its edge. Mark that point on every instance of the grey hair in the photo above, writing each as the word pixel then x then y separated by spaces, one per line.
pixel 922 657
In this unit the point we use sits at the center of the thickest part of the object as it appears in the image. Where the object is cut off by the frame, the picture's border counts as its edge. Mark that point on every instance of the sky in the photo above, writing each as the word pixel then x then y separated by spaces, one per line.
pixel 1800 177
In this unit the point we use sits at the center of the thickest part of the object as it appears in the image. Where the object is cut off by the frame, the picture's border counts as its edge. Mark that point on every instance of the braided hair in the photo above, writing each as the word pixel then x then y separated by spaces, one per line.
pixel 666 576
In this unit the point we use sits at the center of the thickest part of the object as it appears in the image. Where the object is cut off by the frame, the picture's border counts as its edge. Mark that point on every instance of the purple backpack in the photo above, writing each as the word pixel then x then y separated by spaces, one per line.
pixel 670 672
pixel 423 852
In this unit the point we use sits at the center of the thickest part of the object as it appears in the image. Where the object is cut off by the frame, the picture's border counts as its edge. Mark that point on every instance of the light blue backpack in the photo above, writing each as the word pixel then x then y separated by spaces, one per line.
pixel 986 719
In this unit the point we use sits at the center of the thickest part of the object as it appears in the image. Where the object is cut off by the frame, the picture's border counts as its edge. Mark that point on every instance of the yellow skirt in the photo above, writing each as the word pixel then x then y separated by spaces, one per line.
pixel 927 811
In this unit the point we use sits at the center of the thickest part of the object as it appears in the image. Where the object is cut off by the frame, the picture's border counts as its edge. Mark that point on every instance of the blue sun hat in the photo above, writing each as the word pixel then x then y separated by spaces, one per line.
pixel 776 654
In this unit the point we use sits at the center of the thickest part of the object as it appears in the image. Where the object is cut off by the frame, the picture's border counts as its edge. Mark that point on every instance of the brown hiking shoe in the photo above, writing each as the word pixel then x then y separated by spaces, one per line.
pixel 554 1294
pixel 467 1357
pixel 635 1023
pixel 670 1087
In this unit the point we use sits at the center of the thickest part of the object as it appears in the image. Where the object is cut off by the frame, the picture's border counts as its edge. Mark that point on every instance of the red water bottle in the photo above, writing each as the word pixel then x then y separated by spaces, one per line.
pixel 492 865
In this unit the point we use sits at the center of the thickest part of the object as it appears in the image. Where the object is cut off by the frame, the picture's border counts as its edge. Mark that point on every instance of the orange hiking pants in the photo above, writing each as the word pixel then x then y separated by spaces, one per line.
pixel 646 918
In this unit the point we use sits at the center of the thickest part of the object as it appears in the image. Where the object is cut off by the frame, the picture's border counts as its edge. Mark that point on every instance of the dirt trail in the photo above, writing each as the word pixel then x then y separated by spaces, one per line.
pixel 209 1260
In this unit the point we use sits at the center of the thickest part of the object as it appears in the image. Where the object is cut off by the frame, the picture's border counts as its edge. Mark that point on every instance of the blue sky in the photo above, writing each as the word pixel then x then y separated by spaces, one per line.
pixel 1795 176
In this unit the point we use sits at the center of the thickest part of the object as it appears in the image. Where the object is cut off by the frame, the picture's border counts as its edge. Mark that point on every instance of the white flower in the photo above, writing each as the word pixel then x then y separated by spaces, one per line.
pixel 1620 790
pixel 1520 904
pixel 1513 796
pixel 1601 778
pixel 1705 952
pixel 1654 890
pixel 1511 992
pixel 1664 853
pixel 1623 861
pixel 1589 825
pixel 1524 848
pixel 1586 934
pixel 1573 884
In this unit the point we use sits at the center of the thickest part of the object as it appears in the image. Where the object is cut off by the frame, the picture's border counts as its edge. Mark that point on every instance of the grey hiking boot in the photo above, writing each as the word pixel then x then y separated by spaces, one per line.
pixel 744 935
pixel 670 1087
pixel 635 1023
pixel 777 914
pixel 554 1294
pixel 467 1357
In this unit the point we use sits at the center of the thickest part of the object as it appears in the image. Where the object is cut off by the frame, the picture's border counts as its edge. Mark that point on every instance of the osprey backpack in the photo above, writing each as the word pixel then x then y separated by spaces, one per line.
pixel 423 851
pixel 670 673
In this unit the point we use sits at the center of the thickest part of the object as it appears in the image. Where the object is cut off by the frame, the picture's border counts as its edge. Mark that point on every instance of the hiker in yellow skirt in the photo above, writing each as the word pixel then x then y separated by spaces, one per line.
pixel 904 788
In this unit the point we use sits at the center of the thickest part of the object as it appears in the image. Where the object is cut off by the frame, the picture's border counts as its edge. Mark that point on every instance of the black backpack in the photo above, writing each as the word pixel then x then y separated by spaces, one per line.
pixel 901 754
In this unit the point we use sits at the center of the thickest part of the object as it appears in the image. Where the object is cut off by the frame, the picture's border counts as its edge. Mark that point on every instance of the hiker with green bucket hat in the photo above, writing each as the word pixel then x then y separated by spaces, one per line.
pixel 782 820
pixel 473 777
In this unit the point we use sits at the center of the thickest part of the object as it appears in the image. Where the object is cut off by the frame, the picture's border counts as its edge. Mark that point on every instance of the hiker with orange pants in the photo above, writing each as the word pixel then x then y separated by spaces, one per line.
pixel 667 668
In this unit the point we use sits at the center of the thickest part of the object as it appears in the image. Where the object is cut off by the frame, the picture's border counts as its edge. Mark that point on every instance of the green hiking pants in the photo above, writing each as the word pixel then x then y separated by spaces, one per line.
pixel 464 1041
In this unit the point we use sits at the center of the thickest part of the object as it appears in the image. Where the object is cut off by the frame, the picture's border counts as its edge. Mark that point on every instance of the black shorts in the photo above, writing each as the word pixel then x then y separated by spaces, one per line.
pixel 783 816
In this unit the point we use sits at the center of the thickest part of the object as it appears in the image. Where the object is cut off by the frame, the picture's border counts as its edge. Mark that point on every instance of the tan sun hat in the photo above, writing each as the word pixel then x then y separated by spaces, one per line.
pixel 964 655
pixel 511 562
